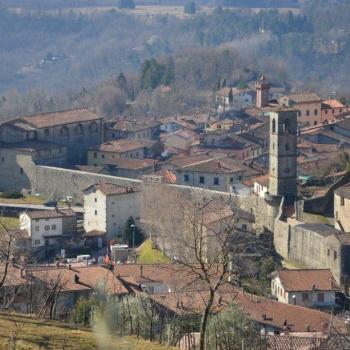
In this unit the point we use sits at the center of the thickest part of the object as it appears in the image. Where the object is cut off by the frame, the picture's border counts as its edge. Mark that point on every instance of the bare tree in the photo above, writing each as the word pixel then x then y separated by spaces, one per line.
pixel 201 235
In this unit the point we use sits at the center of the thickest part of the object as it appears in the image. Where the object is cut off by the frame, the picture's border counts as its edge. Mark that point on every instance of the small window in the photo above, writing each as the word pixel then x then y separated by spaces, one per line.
pixel 299 113
pixel 328 252
pixel 53 227
pixel 37 242
pixel 95 212
pixel 47 132
pixel 201 180
pixel 47 227
pixel 315 112
pixel 340 110
pixel 326 111
pixel 333 111
pixel 244 227
pixel 216 181
pixel 95 200
pixel 186 178
pixel 102 156
pixel 21 171
pixel 305 297
pixel 287 146
pixel 315 122
pixel 95 154
pixel 335 255
pixel 320 297
pixel 231 180
pixel 307 112
pixel 273 125
pixel 342 201
pixel 286 170
pixel 37 228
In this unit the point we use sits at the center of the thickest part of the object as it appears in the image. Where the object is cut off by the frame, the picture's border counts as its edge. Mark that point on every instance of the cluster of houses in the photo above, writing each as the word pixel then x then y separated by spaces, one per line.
pixel 251 148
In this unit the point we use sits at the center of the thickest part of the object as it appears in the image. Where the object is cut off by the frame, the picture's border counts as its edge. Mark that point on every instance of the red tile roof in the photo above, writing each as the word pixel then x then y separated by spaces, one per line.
pixel 46 120
pixel 307 280
pixel 124 145
pixel 111 189
pixel 50 214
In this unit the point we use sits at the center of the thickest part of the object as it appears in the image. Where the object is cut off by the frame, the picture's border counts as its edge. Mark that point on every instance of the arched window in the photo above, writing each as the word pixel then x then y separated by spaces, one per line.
pixel 79 129
pixel 64 132
pixel 286 125
pixel 93 127
pixel 273 125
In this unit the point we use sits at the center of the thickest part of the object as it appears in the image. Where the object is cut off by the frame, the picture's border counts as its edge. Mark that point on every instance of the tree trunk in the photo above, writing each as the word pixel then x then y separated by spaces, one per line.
pixel 204 320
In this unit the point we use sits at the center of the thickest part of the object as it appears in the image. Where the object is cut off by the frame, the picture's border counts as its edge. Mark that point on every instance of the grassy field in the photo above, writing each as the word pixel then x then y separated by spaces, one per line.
pixel 148 255
pixel 29 333
pixel 25 200
pixel 9 223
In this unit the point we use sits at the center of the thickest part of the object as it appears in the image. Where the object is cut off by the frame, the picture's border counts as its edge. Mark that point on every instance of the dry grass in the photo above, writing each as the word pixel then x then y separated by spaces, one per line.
pixel 25 200
pixel 9 223
pixel 34 334
pixel 148 255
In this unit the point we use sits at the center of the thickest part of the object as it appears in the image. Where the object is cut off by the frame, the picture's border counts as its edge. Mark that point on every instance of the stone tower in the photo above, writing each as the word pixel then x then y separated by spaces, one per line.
pixel 283 153
pixel 262 92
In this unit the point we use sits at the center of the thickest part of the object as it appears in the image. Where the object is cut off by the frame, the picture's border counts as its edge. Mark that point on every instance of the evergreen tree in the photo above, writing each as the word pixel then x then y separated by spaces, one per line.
pixel 128 233
pixel 190 8
pixel 122 83
pixel 169 72
pixel 151 74
pixel 126 4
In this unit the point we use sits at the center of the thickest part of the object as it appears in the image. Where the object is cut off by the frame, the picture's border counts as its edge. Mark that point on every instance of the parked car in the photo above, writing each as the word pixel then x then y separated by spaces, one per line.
pixel 51 204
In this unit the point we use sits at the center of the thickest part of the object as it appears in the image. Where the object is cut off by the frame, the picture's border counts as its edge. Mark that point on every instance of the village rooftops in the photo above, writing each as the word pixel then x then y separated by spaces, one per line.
pixel 132 164
pixel 327 104
pixel 343 191
pixel 284 317
pixel 304 98
pixel 50 214
pixel 134 125
pixel 221 166
pixel 109 189
pixel 123 145
pixel 307 280
pixel 81 278
pixel 192 160
pixel 46 120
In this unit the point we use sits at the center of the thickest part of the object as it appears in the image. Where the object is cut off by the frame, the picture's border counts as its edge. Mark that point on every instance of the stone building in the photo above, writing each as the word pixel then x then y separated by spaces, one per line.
pixel 283 153
pixel 76 129
pixel 308 106
pixel 107 207
pixel 342 208
pixel 262 92
pixel 107 152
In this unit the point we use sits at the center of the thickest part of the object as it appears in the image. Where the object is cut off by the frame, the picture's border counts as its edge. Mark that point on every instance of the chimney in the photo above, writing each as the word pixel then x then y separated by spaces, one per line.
pixel 76 278
pixel 141 271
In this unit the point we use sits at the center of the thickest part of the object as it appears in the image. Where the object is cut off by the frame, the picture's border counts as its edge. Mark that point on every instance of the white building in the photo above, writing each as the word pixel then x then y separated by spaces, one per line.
pixel 107 207
pixel 48 227
pixel 308 288
pixel 261 185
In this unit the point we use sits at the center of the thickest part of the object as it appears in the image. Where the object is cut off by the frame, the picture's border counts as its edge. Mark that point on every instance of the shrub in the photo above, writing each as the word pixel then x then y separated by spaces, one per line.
pixel 11 194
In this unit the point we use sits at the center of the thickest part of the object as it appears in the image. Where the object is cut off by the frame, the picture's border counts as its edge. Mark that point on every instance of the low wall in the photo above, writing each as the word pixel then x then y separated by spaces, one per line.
pixel 57 182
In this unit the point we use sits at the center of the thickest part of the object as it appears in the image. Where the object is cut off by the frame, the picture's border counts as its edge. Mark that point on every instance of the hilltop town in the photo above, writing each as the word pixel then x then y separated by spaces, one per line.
pixel 238 210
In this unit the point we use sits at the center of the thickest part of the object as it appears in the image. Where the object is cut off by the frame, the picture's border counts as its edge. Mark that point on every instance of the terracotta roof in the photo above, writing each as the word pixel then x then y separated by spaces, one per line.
pixel 46 120
pixel 134 125
pixel 90 277
pixel 263 180
pixel 168 176
pixel 304 98
pixel 191 160
pixel 307 280
pixel 133 164
pixel 50 214
pixel 124 145
pixel 110 189
pixel 332 104
pixel 343 191
pixel 258 309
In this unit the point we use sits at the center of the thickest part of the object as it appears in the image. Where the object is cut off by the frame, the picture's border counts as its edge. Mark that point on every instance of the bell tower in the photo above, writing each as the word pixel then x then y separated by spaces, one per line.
pixel 283 153
pixel 262 87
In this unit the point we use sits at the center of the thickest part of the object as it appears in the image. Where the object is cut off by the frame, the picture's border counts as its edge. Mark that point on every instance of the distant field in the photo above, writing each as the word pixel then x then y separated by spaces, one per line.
pixel 148 255
pixel 30 199
pixel 147 10
pixel 23 333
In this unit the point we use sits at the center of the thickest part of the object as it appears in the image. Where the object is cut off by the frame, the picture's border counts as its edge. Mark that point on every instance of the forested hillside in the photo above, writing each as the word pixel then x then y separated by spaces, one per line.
pixel 59 59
